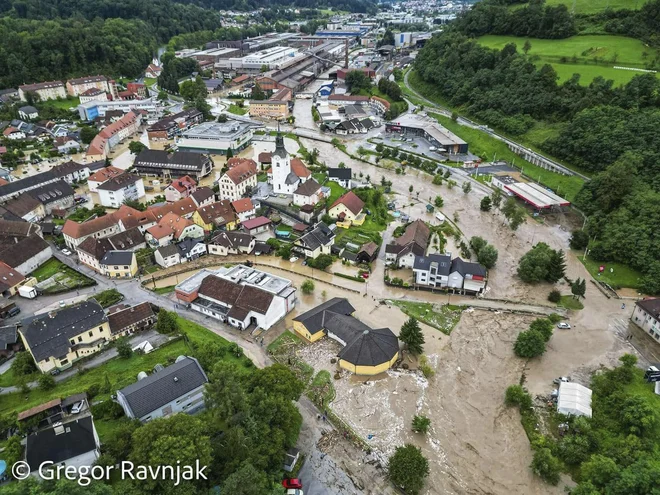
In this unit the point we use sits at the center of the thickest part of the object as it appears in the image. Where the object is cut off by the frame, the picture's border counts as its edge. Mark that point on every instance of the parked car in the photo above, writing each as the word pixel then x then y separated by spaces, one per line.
pixel 291 483
pixel 13 311
pixel 433 148
pixel 62 304
pixel 66 252
pixel 293 259
pixel 77 407
pixel 365 275
pixel 561 379
pixel 294 491
pixel 563 325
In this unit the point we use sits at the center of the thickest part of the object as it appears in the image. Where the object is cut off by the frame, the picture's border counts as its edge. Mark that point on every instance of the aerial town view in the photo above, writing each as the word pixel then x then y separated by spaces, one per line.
pixel 343 247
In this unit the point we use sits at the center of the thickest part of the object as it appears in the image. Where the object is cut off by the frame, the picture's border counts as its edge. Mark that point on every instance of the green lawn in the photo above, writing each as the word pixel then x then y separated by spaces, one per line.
pixel 48 269
pixel 488 147
pixel 235 109
pixel 150 81
pixel 444 320
pixel 621 276
pixel 121 372
pixel 66 278
pixel 593 6
pixel 108 297
pixel 321 390
pixel 580 54
pixel 63 104
pixel 7 379
pixel 569 302
pixel 335 192
pixel 320 177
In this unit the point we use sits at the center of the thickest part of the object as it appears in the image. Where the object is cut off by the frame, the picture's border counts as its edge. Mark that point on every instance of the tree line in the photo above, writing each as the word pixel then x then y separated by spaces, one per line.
pixel 365 6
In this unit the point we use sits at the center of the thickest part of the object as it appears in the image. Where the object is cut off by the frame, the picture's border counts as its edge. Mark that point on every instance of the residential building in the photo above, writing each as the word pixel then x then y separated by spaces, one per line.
pixel 72 171
pixel 216 216
pixel 365 351
pixel 256 226
pixel 646 315
pixel 238 181
pixel 203 196
pixel 125 187
pixel 308 193
pixel 180 188
pixel 414 242
pixel 174 389
pixel 75 233
pixel 315 242
pixel 119 264
pixel 131 319
pixel 139 90
pixel 13 134
pixel 76 87
pixel 167 256
pixel 244 209
pixel 216 137
pixel 92 250
pixel 285 174
pixel 172 125
pixel 347 207
pixel 102 175
pixel 432 270
pixel 341 176
pixel 184 208
pixel 271 108
pixel 93 94
pixel 179 164
pixel 10 341
pixel 59 338
pixel 17 187
pixel 226 243
pixel 28 112
pixel 244 297
pixel 67 145
pixel 51 90
pixel 128 240
pixel 111 136
pixel 172 227
pixel 153 71
pixel 10 281
pixel 74 444
pixel 467 277
pixel 94 109
pixel 27 208
pixel 54 196
pixel 129 218
pixel 26 254
pixel 191 249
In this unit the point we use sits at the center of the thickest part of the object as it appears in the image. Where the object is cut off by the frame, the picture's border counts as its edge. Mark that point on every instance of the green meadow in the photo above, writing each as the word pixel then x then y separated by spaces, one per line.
pixel 595 6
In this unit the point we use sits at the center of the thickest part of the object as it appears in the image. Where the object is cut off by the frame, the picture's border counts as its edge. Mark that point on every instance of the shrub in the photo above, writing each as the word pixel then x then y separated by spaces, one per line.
pixel 546 465
pixel 93 390
pixel 23 364
pixel 46 382
pixel 529 344
pixel 554 318
pixel 542 326
pixel 517 396
pixel 426 368
pixel 421 424
pixel 554 296
pixel 107 409
pixel 307 286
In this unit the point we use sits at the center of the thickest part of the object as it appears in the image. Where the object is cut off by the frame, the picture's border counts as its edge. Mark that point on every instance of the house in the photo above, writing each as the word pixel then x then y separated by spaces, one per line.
pixel 271 108
pixel 184 208
pixel 61 337
pixel 347 207
pixel 9 341
pixel 167 255
pixel 116 191
pixel 238 181
pixel 66 145
pixel 128 240
pixel 74 233
pixel 244 305
pixel 57 195
pixel 365 351
pixel 93 94
pixel 119 264
pixel 129 218
pixel 74 444
pixel 76 87
pixel 17 187
pixel 179 164
pixel 646 315
pixel 139 90
pixel 51 90
pixel 285 174
pixel 72 171
pixel 174 389
pixel 28 112
pixel 172 125
pixel 10 280
pixel 27 208
pixel 101 176
pixel 13 133
pixel 316 242
pixel 27 254
pixel 257 225
pixel 191 249
pixel 308 193
pixel 92 250
pixel 153 71
pixel 265 159
pixel 341 176
pixel 180 188
pixel 216 216
pixel 131 319
pixel 244 209
pixel 226 243
pixel 203 196
pixel 172 227
pixel 432 270
pixel 414 242
pixel 467 277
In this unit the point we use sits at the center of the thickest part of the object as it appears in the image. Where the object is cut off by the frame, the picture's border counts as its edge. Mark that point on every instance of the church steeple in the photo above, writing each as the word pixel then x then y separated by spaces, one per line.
pixel 279 143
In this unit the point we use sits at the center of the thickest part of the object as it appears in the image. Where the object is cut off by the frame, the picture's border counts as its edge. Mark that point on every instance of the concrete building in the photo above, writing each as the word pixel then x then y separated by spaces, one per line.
pixel 76 87
pixel 167 256
pixel 172 125
pixel 226 243
pixel 112 135
pixel 27 208
pixel 119 264
pixel 434 133
pixel 245 209
pixel 26 254
pixel 51 90
pixel 55 195
pixel 179 164
pixel 402 251
pixel 216 138
pixel 348 207
pixel 238 181
pixel 102 175
pixel 125 187
pixel 218 215
pixel 28 112
pixel 93 94
pixel 341 176
pixel 646 315
pixel 308 193
pixel 174 389
pixel 180 189
pixel 90 110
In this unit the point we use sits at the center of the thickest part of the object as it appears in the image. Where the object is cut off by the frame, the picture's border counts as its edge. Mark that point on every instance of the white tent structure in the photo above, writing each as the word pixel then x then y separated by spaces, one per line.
pixel 574 399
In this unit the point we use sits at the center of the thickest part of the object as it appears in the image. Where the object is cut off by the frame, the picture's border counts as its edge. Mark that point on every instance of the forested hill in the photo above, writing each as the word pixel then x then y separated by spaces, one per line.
pixel 366 6
pixel 607 130
pixel 54 39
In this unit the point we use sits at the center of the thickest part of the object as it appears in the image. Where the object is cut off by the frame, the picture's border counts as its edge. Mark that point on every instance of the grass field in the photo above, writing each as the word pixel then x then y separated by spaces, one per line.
pixel 569 302
pixel 486 146
pixel 580 54
pixel 593 6
pixel 63 104
pixel 444 320
pixel 66 278
pixel 621 276
pixel 236 110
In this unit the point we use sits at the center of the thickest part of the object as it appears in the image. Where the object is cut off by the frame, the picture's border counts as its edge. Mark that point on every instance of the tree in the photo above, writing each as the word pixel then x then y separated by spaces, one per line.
pixel 279 380
pixel 533 266
pixel 600 470
pixel 516 396
pixel 477 243
pixel 46 382
pixel 167 322
pixel 246 481
pixel 496 198
pixel 23 364
pixel 527 47
pixel 88 133
pixel 307 286
pixel 529 344
pixel 202 105
pixel 222 118
pixel 124 349
pixel 411 335
pixel 163 96
pixel 421 424
pixel 487 256
pixel 322 261
pixel 542 326
pixel 467 187
pixel 257 93
pixel 12 453
pixel 136 147
pixel 192 90
pixel 387 39
pixel 546 465
pixel 439 202
pixel 447 174
pixel 410 189
pixel 554 296
pixel 486 204
pixel 408 468
pixel 637 415
pixel 556 266
pixel 579 240
pixel 357 80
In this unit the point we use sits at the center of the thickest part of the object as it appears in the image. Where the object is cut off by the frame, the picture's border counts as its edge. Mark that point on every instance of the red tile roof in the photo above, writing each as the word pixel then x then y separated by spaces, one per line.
pixel 242 171
pixel 256 222
pixel 351 201
pixel 299 168
pixel 105 174
pixel 242 205
pixel 184 183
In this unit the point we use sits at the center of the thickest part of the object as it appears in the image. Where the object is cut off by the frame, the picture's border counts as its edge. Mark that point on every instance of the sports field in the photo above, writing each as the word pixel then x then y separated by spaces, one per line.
pixel 594 6
pixel 590 56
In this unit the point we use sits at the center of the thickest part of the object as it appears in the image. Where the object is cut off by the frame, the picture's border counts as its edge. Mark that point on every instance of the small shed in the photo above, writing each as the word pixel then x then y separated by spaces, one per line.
pixel 574 399
pixel 291 458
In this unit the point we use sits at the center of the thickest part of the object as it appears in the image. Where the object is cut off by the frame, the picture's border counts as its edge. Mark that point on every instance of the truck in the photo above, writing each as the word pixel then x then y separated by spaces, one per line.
pixel 27 291
pixel 9 310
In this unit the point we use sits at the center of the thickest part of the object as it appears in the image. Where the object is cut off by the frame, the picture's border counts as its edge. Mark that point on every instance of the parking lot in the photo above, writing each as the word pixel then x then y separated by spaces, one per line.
pixel 419 145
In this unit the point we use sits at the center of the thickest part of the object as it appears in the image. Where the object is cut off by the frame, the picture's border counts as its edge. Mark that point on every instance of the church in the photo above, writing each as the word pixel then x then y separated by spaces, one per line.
pixel 286 174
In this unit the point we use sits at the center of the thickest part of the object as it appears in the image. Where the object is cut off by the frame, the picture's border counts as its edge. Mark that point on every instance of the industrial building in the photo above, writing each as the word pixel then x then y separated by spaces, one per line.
pixel 535 195
pixel 278 57
pixel 90 110
pixel 430 130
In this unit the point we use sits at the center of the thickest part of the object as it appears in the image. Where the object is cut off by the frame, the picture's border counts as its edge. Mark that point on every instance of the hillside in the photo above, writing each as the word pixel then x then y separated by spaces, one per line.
pixel 595 6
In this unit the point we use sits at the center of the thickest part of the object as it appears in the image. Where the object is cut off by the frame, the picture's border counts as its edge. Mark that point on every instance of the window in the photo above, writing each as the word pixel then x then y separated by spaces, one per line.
pixel 116 268
pixel 125 268
pixel 91 332
pixel 79 339
pixel 100 329
pixel 73 342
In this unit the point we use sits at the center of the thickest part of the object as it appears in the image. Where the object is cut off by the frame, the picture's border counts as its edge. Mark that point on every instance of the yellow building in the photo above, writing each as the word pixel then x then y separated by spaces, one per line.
pixel 347 208
pixel 274 109
pixel 215 215
pixel 365 351
pixel 59 338
pixel 119 264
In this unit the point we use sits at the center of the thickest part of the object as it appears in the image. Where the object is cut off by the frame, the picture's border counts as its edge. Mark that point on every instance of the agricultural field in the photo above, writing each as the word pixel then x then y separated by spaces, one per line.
pixel 595 6
pixel 590 56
